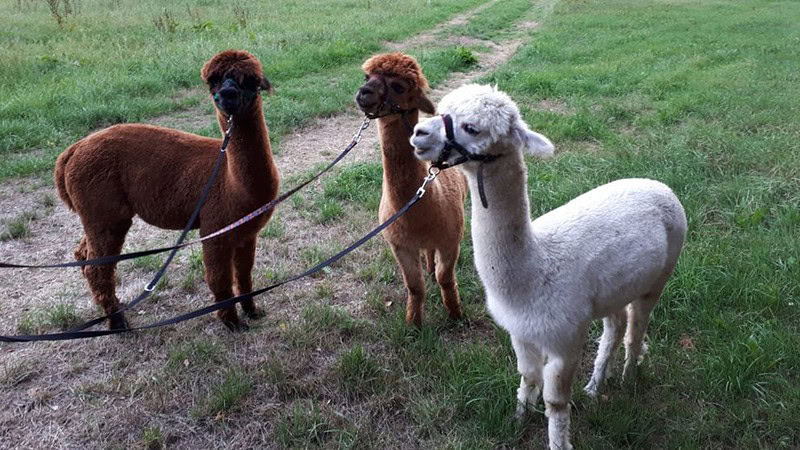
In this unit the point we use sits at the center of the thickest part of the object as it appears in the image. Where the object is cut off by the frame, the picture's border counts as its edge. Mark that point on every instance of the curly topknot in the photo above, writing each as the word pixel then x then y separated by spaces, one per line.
pixel 232 61
pixel 399 64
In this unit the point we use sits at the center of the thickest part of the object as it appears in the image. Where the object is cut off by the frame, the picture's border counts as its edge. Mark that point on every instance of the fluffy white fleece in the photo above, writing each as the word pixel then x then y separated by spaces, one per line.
pixel 546 280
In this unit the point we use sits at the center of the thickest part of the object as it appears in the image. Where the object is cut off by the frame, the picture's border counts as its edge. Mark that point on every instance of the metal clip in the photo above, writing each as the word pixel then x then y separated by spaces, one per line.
pixel 149 288
pixel 364 125
pixel 432 173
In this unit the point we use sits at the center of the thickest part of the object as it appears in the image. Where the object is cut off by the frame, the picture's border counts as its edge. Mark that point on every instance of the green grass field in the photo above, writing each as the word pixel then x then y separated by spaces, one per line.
pixel 700 95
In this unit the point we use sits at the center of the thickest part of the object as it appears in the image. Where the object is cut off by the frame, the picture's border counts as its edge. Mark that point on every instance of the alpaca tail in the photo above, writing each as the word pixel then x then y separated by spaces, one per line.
pixel 60 172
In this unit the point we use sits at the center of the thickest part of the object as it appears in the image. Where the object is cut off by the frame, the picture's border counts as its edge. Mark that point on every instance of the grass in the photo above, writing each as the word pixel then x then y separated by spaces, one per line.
pixel 303 426
pixel 60 316
pixel 700 95
pixel 691 111
pixel 110 63
pixel 227 394
pixel 18 227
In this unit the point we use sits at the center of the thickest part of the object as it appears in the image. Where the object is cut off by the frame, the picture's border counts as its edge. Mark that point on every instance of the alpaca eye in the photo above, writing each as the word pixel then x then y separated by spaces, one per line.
pixel 470 129
pixel 251 84
pixel 397 87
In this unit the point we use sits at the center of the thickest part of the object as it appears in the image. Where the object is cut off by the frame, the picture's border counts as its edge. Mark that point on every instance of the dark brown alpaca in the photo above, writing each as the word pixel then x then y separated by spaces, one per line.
pixel 159 173
pixel 395 90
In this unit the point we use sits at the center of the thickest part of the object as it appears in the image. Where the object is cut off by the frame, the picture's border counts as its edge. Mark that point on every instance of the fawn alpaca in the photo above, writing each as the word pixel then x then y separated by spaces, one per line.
pixel 394 91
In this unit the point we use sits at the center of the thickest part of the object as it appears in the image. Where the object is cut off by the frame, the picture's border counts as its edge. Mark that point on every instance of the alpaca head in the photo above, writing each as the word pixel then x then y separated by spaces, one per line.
pixel 485 122
pixel 394 84
pixel 234 78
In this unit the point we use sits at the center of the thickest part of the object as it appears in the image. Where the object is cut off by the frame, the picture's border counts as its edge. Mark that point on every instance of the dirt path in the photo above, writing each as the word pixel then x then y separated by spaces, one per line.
pixel 54 395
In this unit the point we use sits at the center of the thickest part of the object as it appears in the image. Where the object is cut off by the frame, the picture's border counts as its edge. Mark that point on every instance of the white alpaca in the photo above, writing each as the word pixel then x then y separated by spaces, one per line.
pixel 610 248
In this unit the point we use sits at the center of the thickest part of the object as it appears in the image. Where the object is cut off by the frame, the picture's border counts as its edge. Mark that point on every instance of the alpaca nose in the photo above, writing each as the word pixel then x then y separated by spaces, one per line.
pixel 419 132
pixel 228 93
pixel 365 93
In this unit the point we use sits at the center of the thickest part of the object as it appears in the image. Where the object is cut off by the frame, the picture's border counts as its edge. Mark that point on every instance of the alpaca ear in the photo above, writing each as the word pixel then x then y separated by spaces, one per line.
pixel 425 105
pixel 532 142
pixel 266 86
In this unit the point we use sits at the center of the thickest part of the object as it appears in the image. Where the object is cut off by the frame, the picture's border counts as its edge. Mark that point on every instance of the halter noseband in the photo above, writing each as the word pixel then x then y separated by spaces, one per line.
pixel 388 107
pixel 450 144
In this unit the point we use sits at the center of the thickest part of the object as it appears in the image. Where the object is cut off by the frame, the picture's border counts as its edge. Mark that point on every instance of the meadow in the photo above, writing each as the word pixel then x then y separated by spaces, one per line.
pixel 700 95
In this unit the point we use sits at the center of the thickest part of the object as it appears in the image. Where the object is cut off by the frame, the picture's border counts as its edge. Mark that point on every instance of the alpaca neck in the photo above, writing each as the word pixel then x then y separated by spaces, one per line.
pixel 402 171
pixel 504 242
pixel 249 155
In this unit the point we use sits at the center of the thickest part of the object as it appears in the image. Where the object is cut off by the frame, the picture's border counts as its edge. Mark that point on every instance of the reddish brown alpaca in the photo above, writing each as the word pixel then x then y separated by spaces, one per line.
pixel 159 173
pixel 434 226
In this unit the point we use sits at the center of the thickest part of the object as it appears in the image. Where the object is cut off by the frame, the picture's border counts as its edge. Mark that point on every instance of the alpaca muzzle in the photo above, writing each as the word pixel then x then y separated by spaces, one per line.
pixel 231 98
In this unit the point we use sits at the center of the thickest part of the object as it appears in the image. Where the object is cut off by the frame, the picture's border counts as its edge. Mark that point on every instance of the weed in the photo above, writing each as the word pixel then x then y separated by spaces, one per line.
pixel 359 373
pixel 274 229
pixel 466 57
pixel 18 228
pixel 241 14
pixel 150 263
pixel 359 183
pixel 329 211
pixel 153 439
pixel 304 425
pixel 197 353
pixel 228 394
pixel 48 201
pixel 13 375
pixel 165 22
pixel 62 316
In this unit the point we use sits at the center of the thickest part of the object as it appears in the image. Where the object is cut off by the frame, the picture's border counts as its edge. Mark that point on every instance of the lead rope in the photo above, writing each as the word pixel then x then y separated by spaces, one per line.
pixel 70 335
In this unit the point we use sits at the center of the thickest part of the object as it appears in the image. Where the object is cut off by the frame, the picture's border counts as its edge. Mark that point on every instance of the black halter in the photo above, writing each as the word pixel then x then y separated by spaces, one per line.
pixel 450 144
pixel 388 107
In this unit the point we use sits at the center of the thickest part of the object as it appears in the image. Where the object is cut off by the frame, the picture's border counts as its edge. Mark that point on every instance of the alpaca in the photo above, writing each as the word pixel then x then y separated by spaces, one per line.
pixel 158 174
pixel 606 254
pixel 395 93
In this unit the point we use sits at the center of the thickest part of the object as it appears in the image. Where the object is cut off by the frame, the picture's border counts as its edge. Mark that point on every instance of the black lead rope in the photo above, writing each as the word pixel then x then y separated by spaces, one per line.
pixel 266 207
pixel 466 155
pixel 71 335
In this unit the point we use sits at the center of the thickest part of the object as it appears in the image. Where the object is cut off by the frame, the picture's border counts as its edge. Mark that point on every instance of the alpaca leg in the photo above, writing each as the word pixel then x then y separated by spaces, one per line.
pixel 529 364
pixel 558 375
pixel 430 261
pixel 638 320
pixel 81 253
pixel 613 330
pixel 446 277
pixel 409 261
pixel 243 260
pixel 97 243
pixel 217 260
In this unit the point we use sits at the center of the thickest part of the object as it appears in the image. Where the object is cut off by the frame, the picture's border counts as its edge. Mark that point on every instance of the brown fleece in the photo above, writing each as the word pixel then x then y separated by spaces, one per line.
pixel 158 174
pixel 434 226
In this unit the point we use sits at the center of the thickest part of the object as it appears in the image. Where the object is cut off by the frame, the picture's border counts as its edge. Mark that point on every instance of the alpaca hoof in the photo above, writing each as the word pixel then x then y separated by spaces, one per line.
pixel 118 322
pixel 237 326
pixel 455 315
pixel 255 313
pixel 521 411
pixel 591 389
